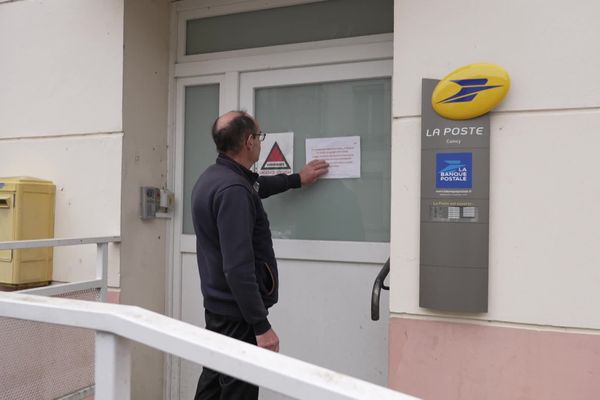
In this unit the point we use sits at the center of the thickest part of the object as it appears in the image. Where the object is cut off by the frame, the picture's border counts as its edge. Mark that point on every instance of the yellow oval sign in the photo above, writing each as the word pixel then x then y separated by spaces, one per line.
pixel 470 91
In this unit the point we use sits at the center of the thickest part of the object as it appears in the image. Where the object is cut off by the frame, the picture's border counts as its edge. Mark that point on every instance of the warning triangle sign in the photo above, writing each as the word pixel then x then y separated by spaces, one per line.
pixel 275 159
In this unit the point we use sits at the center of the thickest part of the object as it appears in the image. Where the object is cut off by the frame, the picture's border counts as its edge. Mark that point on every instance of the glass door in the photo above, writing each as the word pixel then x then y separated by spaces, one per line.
pixel 323 102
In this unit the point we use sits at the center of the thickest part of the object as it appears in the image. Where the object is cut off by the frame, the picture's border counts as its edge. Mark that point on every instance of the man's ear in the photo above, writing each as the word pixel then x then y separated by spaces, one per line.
pixel 249 142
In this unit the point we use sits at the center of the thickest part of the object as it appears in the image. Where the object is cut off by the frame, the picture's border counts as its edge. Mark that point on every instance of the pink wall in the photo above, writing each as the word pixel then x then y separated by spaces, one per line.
pixel 441 360
pixel 113 296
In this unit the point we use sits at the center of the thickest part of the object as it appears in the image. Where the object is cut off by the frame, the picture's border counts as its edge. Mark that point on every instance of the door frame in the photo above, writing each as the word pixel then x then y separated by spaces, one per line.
pixel 237 89
pixel 225 69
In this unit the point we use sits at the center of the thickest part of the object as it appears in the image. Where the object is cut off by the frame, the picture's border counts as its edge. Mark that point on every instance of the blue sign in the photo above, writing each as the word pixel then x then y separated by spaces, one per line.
pixel 454 170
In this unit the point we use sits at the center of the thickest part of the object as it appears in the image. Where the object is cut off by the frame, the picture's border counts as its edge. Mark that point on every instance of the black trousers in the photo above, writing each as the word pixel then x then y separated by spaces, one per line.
pixel 213 385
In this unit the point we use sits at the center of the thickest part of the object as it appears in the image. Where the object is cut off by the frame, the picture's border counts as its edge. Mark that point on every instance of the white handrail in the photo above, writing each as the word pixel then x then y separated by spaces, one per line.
pixel 30 244
pixel 101 281
pixel 264 368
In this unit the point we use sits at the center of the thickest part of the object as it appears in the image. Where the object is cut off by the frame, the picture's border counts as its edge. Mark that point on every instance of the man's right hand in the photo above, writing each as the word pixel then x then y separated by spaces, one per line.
pixel 313 171
pixel 268 340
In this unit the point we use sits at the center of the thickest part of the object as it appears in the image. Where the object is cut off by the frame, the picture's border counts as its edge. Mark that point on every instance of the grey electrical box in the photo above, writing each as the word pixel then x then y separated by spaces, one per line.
pixel 150 202
pixel 155 203
pixel 455 159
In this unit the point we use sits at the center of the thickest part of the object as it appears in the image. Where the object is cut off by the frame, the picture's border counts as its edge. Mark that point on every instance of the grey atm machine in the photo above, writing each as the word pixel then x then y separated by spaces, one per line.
pixel 454 210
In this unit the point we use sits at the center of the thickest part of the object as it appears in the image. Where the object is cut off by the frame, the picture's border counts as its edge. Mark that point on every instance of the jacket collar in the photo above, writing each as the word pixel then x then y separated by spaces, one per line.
pixel 230 163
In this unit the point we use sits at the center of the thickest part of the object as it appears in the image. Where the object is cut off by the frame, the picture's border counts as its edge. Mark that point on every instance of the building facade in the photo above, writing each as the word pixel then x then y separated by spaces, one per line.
pixel 105 96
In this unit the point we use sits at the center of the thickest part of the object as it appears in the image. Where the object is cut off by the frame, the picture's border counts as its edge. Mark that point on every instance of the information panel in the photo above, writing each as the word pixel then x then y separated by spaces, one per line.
pixel 454 210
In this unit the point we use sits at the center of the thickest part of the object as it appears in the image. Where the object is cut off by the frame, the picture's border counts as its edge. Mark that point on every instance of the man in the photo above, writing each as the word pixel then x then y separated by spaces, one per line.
pixel 236 261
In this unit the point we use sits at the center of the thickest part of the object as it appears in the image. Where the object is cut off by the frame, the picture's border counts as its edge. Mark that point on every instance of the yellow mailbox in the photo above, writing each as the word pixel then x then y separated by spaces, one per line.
pixel 26 213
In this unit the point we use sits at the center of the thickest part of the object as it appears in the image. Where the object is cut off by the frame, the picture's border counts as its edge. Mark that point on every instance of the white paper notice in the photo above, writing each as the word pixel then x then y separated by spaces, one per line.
pixel 342 154
pixel 276 154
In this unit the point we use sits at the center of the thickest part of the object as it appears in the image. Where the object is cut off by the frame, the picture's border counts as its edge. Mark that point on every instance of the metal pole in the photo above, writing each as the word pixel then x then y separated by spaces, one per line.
pixel 113 367
pixel 102 269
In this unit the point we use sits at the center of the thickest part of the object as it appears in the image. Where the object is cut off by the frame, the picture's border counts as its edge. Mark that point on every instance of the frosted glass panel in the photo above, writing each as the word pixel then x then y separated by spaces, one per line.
pixel 341 209
pixel 201 110
pixel 331 19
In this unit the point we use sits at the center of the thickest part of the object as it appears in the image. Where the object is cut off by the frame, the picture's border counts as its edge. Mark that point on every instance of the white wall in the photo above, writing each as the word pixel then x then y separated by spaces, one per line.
pixel 61 68
pixel 544 186
pixel 548 48
pixel 75 110
pixel 60 115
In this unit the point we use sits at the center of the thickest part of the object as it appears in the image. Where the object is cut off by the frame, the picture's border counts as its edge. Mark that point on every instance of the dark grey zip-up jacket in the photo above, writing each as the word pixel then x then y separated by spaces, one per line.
pixel 237 265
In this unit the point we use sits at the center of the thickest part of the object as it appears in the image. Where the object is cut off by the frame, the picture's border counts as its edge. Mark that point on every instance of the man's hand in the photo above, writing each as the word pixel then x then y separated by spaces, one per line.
pixel 313 171
pixel 268 340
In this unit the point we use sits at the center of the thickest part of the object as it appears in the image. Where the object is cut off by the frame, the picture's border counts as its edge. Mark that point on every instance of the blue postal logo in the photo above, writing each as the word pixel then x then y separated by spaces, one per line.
pixel 454 170
pixel 469 88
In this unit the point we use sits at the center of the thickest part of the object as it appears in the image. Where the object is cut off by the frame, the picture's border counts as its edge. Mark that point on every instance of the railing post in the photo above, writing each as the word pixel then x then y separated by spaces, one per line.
pixel 113 367
pixel 102 268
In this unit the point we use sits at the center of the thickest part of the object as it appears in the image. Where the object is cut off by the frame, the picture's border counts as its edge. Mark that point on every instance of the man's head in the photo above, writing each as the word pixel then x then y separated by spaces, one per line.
pixel 237 134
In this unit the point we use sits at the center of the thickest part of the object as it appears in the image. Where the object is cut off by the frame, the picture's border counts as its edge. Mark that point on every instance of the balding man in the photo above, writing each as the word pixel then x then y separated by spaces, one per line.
pixel 236 261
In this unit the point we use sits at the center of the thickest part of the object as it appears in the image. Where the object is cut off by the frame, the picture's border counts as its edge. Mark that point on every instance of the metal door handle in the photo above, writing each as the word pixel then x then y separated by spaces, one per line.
pixel 377 286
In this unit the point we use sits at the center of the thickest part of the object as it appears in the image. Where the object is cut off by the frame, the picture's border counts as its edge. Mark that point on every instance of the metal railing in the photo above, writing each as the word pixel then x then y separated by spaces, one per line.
pixel 50 347
pixel 117 325
pixel 101 281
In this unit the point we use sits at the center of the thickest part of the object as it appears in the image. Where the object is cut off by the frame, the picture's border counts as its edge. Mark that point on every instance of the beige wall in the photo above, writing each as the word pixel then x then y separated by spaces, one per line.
pixel 61 67
pixel 542 322
pixel 61 79
pixel 86 170
pixel 83 102
pixel 544 186
pixel 60 116
pixel 145 101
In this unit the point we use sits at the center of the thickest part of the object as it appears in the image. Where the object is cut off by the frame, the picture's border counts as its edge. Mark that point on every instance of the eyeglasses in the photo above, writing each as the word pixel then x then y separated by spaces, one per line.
pixel 261 136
